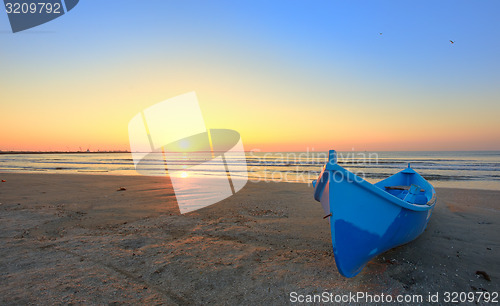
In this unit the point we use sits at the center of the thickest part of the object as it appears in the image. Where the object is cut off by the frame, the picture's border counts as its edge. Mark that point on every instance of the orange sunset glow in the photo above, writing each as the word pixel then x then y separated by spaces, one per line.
pixel 352 90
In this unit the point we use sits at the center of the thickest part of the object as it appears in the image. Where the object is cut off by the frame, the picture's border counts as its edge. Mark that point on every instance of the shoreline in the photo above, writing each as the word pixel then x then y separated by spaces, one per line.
pixel 312 151
pixel 250 181
pixel 75 238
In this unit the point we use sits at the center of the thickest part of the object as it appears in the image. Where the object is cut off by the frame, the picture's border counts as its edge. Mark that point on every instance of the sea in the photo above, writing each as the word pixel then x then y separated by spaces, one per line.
pixel 468 169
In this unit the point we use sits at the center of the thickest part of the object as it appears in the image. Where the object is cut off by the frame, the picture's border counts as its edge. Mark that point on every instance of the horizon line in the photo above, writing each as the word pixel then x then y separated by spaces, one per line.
pixel 2 152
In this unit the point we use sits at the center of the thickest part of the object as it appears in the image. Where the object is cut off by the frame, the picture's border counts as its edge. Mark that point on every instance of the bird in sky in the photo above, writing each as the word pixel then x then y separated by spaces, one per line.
pixel 452 42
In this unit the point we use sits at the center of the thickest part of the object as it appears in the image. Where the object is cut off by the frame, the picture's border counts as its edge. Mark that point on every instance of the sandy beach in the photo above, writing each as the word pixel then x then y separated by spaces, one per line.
pixel 77 239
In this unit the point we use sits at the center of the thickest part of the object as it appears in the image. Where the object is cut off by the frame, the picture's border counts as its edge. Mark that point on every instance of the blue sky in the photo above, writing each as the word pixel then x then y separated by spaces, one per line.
pixel 321 56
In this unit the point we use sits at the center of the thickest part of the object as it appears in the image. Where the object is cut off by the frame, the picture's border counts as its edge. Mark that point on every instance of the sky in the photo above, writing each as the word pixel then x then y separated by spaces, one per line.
pixel 287 75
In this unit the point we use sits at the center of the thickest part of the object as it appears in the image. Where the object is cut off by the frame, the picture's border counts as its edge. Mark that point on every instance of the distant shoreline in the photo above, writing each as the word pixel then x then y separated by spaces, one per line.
pixel 85 152
pixel 248 151
pixel 59 152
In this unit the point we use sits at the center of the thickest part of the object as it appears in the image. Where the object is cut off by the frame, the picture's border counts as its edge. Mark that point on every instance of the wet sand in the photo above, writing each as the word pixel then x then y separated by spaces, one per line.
pixel 76 239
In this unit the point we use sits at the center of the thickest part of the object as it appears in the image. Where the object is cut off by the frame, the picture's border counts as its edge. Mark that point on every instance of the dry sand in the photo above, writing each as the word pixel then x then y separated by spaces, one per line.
pixel 76 239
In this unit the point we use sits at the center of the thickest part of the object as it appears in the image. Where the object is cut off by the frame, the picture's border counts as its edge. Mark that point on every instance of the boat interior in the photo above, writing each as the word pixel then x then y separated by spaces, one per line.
pixel 411 194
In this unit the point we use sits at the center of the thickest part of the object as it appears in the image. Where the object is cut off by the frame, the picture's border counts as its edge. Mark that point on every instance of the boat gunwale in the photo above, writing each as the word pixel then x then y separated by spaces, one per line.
pixel 382 193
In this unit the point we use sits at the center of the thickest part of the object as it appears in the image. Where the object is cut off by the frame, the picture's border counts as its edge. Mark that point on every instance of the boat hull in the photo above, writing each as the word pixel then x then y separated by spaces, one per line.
pixel 365 219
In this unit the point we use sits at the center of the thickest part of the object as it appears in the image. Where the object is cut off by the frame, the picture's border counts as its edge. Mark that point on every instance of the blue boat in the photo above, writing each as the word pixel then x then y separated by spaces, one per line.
pixel 368 219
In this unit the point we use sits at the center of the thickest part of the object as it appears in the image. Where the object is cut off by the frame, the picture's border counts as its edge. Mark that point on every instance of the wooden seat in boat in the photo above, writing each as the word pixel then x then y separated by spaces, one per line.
pixel 402 187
